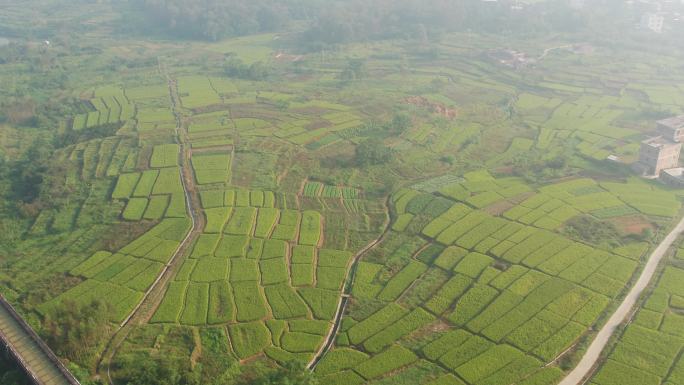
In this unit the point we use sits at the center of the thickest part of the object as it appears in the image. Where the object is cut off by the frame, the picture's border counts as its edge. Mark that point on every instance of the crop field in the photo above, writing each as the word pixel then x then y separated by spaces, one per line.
pixel 197 91
pixel 124 276
pixel 317 189
pixel 165 155
pixel 256 279
pixel 649 349
pixel 211 168
pixel 486 188
pixel 152 194
pixel 514 292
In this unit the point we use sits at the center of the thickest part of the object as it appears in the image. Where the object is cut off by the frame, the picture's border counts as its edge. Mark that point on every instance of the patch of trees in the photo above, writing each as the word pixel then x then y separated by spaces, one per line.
pixel 215 19
pixel 333 22
pixel 592 230
pixel 73 328
pixel 289 374
pixel 139 369
pixel 26 174
pixel 373 151
pixel 535 167
pixel 234 67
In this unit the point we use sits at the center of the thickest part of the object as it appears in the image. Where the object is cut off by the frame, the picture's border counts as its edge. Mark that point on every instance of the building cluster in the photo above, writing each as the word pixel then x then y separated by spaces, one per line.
pixel 659 155
pixel 659 15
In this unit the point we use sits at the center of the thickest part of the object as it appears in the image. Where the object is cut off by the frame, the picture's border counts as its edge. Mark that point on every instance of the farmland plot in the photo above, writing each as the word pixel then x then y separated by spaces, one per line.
pixel 514 291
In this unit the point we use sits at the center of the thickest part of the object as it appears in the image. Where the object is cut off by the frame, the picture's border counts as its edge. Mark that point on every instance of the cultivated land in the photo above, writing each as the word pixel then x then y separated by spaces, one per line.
pixel 224 219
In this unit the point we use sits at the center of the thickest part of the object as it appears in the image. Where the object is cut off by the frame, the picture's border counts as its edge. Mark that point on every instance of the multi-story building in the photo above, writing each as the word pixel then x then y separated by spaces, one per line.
pixel 653 22
pixel 672 128
pixel 658 154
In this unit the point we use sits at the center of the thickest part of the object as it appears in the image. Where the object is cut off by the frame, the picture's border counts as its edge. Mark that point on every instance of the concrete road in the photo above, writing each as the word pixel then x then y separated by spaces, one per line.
pixel 577 375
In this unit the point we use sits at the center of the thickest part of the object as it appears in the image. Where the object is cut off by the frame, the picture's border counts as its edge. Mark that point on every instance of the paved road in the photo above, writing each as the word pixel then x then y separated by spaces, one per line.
pixel 31 353
pixel 585 366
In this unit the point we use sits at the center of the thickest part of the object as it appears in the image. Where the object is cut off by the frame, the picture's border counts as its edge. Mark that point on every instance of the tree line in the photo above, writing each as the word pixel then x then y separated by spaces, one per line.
pixel 340 21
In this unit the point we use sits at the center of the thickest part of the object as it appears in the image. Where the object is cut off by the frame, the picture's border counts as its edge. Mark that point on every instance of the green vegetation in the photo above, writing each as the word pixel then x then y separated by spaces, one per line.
pixel 648 349
pixel 501 235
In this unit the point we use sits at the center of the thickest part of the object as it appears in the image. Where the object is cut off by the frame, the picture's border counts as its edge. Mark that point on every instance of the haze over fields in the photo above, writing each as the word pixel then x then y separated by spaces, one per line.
pixel 341 192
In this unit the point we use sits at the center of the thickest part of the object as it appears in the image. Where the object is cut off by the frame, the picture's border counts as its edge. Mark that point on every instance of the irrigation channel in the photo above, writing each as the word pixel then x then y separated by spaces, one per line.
pixel 579 375
pixel 154 295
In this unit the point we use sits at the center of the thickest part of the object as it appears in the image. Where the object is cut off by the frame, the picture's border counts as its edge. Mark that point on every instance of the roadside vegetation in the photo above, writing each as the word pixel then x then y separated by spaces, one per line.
pixel 476 160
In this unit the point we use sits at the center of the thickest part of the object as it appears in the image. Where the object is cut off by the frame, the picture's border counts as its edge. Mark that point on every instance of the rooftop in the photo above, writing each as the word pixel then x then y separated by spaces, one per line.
pixel 675 172
pixel 676 122
pixel 658 141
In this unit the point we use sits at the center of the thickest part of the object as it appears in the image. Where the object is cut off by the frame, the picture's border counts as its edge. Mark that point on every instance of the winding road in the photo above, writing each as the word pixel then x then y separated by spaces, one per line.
pixel 586 365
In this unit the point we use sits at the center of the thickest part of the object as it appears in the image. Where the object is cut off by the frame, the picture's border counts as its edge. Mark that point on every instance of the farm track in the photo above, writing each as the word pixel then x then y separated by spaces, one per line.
pixel 346 292
pixel 588 364
pixel 153 297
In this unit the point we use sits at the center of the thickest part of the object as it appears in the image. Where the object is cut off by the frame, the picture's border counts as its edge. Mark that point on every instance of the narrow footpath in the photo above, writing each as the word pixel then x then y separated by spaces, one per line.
pixel 153 297
pixel 585 368
pixel 346 293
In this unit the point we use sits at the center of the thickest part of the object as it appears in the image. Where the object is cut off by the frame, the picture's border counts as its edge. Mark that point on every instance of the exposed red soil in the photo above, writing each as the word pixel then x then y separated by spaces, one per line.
pixel 635 224
pixel 437 108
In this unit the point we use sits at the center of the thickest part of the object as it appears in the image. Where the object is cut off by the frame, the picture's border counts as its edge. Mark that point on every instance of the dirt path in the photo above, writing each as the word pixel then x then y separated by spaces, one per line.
pixel 346 293
pixel 549 50
pixel 586 366
pixel 145 309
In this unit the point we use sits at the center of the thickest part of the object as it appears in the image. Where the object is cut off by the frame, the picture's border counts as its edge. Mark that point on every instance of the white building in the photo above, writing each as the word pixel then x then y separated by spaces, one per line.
pixel 653 22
